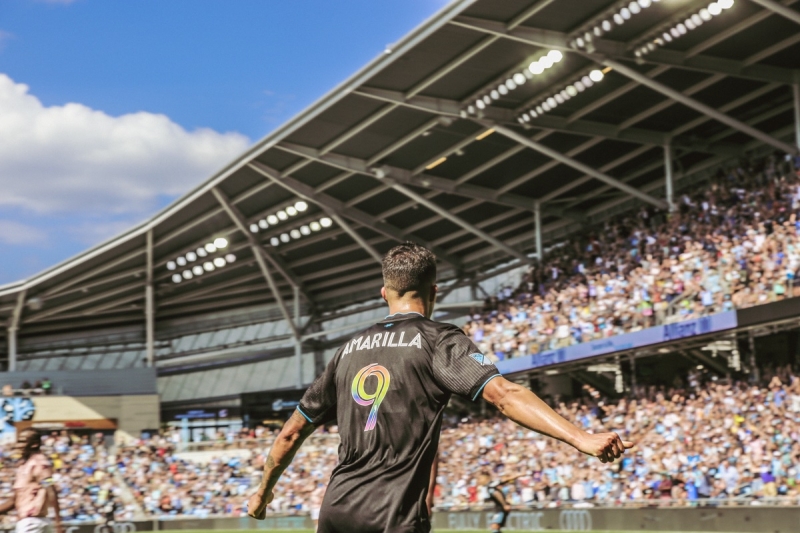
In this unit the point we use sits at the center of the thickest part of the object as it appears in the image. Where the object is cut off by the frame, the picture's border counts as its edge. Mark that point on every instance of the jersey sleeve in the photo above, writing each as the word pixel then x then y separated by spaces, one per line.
pixel 318 404
pixel 458 365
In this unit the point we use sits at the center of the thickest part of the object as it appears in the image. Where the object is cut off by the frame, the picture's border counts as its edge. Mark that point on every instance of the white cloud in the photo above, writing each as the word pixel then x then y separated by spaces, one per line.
pixel 12 232
pixel 73 159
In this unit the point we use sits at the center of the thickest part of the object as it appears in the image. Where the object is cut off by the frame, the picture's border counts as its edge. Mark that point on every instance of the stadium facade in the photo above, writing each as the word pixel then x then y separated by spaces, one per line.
pixel 489 133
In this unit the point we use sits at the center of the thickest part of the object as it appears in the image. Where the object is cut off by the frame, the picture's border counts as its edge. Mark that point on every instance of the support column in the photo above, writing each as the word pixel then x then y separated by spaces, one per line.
pixel 298 343
pixel 668 177
pixel 149 304
pixel 755 375
pixel 13 328
pixel 537 223
pixel 796 94
pixel 633 375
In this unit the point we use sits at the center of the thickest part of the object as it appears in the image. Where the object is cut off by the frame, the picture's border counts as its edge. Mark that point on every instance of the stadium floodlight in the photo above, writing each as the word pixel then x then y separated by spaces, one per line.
pixel 692 22
pixel 325 222
pixel 291 211
pixel 187 274
pixel 191 257
pixel 219 262
pixel 502 89
pixel 201 252
pixel 634 8
pixel 519 78
pixel 555 56
pixel 176 278
pixel 285 237
pixel 644 3
pixel 171 265
pixel 253 228
pixel 295 234
pixel 272 219
pixel 494 94
pixel 210 248
pixel 305 230
pixel 551 102
pixel 301 206
pixel 282 215
pixel 315 226
pixel 263 224
pixel 181 261
pixel 208 266
pixel 274 241
pixel 197 270
pixel 536 67
pixel 606 25
pixel 230 258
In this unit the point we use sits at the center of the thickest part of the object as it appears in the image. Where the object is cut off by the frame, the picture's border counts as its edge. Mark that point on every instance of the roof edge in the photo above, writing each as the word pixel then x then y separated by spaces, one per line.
pixel 421 32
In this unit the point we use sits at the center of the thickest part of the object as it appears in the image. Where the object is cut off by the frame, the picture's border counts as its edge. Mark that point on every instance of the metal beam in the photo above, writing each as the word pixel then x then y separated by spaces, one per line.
pixel 298 340
pixel 444 213
pixel 586 169
pixel 796 99
pixel 13 328
pixel 335 207
pixel 620 50
pixel 668 189
pixel 781 10
pixel 697 106
pixel 537 228
pixel 149 302
pixel 259 253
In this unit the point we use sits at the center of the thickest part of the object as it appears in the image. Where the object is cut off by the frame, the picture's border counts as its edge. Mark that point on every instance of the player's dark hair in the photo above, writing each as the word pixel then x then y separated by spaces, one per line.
pixel 409 267
pixel 32 436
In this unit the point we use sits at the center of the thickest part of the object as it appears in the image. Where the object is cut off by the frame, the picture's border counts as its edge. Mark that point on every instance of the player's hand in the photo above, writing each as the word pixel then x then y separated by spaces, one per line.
pixel 506 508
pixel 59 528
pixel 604 446
pixel 257 504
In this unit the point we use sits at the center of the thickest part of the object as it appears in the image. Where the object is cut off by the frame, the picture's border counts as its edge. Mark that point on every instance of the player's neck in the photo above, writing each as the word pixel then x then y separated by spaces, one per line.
pixel 407 305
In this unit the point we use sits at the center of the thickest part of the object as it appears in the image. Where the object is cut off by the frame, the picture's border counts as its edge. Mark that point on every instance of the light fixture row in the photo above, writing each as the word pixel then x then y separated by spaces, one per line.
pixel 556 99
pixel 620 16
pixel 682 28
pixel 190 257
pixel 279 216
pixel 207 266
pixel 302 231
pixel 515 80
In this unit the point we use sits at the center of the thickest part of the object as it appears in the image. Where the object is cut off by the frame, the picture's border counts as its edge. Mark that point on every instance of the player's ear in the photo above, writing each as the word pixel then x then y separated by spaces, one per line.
pixel 383 294
pixel 434 291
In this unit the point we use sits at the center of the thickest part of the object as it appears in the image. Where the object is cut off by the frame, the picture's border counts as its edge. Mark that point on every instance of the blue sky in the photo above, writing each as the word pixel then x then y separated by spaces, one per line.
pixel 110 110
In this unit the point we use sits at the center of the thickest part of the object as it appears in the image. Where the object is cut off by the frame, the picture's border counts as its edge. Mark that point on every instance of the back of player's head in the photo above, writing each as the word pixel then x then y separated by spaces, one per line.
pixel 409 267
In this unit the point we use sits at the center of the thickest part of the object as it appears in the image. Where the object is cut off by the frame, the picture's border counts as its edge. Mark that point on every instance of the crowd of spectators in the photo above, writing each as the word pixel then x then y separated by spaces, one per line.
pixel 716 441
pixel 83 473
pixel 729 244
pixel 218 482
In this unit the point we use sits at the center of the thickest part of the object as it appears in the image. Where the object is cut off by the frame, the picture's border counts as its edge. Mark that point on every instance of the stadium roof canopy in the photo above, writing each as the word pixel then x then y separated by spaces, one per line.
pixel 489 116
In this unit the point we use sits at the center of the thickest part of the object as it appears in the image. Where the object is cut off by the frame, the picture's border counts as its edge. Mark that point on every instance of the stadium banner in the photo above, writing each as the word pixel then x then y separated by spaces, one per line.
pixel 745 518
pixel 628 341
pixel 699 519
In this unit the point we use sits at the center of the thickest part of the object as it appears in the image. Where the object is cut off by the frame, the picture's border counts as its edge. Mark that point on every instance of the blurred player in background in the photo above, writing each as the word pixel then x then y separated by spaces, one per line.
pixel 34 493
pixel 495 495
pixel 388 388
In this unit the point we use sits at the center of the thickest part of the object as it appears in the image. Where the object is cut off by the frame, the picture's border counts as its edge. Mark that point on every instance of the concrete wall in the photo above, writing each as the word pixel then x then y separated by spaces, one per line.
pixel 132 413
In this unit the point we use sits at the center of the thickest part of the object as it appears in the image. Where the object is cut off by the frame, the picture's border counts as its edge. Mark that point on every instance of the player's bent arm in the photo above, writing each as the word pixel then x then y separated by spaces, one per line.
pixel 526 409
pixel 432 484
pixel 283 450
pixel 7 505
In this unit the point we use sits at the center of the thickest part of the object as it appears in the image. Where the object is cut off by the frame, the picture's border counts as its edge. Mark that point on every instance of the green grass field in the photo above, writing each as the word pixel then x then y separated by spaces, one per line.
pixel 312 531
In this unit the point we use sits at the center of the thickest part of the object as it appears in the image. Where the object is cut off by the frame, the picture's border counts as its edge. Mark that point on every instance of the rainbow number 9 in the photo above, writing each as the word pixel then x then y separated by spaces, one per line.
pixel 362 397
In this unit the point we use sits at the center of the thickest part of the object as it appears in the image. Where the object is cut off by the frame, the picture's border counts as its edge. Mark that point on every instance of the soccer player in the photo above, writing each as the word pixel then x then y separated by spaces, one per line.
pixel 387 389
pixel 496 495
pixel 34 493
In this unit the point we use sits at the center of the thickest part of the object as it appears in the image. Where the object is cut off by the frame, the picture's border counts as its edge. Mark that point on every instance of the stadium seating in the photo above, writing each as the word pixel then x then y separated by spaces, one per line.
pixel 732 244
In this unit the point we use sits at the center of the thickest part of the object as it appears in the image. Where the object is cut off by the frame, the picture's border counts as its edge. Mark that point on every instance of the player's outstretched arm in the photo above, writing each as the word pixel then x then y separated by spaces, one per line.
pixel 525 408
pixel 283 450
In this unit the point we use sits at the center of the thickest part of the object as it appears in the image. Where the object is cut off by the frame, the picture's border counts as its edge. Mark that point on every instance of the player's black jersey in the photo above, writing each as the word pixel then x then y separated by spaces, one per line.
pixel 388 388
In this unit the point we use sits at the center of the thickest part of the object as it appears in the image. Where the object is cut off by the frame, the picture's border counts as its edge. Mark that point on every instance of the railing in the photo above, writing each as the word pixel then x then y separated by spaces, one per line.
pixel 315 440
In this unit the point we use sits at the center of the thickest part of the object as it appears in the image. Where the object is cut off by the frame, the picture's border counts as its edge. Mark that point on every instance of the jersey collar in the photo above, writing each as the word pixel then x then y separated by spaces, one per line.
pixel 403 315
